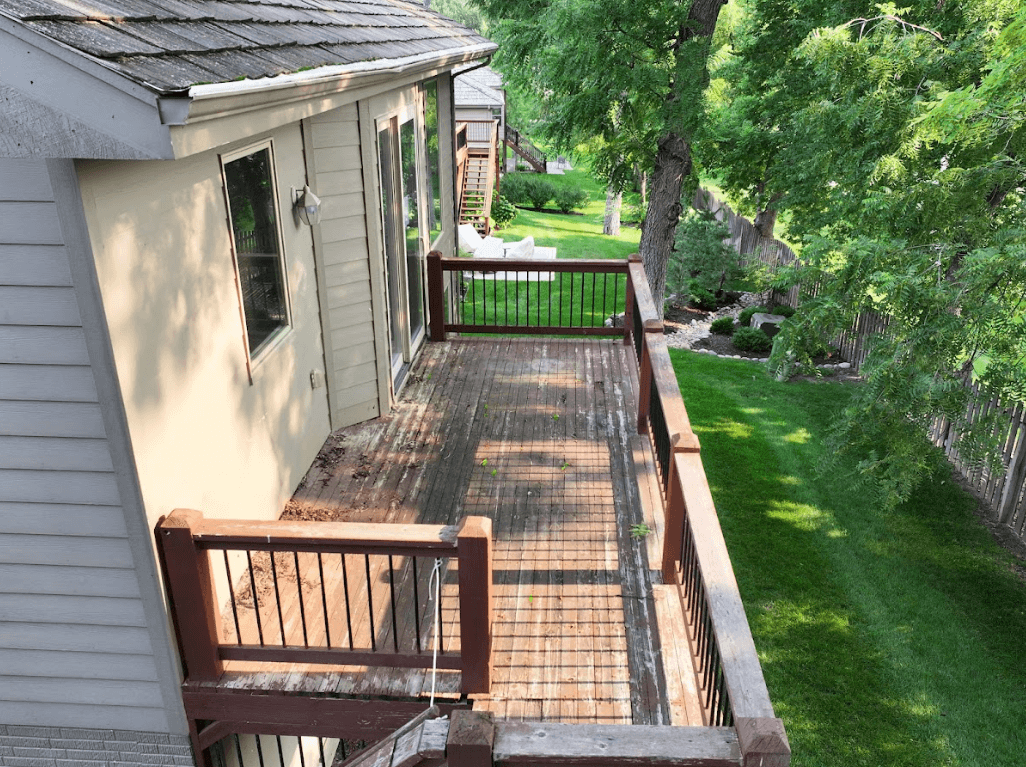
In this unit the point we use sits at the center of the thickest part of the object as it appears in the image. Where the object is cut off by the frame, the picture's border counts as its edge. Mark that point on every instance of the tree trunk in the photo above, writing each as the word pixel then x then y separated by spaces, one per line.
pixel 765 220
pixel 611 222
pixel 672 166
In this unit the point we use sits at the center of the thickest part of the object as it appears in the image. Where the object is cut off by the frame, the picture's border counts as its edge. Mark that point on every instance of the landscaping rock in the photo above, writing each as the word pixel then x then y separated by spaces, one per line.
pixel 767 323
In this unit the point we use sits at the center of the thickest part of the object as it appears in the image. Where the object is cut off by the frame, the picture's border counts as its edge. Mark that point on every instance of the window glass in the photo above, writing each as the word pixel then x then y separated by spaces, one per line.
pixel 408 154
pixel 254 220
pixel 434 219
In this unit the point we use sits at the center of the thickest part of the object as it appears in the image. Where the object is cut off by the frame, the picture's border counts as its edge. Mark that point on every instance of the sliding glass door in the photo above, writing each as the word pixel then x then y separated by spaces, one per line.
pixel 402 238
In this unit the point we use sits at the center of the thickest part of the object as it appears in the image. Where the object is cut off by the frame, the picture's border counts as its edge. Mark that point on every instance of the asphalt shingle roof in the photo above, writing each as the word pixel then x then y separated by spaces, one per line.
pixel 169 45
pixel 479 87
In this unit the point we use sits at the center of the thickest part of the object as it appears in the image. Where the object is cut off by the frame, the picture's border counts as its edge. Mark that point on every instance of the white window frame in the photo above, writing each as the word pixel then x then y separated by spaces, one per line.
pixel 276 338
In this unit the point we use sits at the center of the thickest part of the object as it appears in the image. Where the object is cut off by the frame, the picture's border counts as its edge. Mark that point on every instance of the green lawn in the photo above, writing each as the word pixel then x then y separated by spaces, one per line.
pixel 887 638
pixel 589 300
pixel 574 235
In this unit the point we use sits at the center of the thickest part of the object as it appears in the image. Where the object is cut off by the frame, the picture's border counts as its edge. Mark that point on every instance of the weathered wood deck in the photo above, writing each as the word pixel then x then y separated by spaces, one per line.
pixel 536 435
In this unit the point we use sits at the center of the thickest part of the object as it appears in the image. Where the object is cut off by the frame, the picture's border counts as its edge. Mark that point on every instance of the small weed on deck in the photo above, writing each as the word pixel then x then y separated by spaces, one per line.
pixel 887 638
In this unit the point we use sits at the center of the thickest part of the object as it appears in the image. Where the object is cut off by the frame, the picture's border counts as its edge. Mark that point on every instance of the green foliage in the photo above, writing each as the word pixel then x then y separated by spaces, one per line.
pixel 464 12
pixel 745 317
pixel 724 326
pixel 752 340
pixel 700 297
pixel 701 256
pixel 783 310
pixel 568 198
pixel 503 211
pixel 528 189
pixel 894 138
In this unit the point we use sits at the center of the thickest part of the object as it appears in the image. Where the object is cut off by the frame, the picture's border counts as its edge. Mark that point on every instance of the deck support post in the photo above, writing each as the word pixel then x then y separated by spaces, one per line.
pixel 191 595
pixel 628 302
pixel 436 296
pixel 673 537
pixel 474 550
pixel 471 739
pixel 763 742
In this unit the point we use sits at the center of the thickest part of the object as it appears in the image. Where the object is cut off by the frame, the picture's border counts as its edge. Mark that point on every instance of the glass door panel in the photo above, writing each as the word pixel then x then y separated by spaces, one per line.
pixel 394 249
pixel 411 219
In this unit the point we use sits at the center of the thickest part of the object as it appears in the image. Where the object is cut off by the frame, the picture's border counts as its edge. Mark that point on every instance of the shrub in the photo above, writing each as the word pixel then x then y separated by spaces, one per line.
pixel 752 340
pixel 514 187
pixel 700 297
pixel 702 253
pixel 539 191
pixel 503 211
pixel 745 317
pixel 724 326
pixel 570 198
pixel 783 310
pixel 632 214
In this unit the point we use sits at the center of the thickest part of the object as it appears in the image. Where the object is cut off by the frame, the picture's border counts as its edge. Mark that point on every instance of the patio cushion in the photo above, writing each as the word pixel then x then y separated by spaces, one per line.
pixel 469 239
pixel 522 249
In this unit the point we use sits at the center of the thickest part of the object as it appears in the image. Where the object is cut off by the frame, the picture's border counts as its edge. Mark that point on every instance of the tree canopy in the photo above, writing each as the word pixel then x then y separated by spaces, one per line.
pixel 892 137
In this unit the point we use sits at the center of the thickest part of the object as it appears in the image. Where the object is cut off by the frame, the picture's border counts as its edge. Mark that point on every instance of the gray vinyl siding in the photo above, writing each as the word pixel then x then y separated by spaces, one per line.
pixel 344 259
pixel 74 647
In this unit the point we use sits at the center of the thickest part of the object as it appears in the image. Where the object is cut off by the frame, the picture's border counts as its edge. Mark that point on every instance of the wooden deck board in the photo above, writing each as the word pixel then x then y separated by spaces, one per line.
pixel 534 434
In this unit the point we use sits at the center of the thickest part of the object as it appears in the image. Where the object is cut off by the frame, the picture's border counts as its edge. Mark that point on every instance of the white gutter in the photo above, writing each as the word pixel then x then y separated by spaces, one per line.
pixel 326 75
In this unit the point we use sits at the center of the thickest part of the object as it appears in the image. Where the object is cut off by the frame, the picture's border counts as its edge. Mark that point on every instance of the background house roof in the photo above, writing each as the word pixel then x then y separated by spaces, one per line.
pixel 169 45
pixel 479 87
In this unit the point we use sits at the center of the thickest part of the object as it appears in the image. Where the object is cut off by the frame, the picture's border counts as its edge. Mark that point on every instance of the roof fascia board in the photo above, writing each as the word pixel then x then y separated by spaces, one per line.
pixel 222 113
pixel 88 93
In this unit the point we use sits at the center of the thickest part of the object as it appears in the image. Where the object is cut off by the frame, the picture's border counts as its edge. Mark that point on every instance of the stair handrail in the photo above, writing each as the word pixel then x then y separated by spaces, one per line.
pixel 516 141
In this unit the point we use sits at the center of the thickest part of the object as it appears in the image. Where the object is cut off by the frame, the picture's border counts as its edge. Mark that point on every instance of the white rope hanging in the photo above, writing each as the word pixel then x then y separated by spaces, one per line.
pixel 436 579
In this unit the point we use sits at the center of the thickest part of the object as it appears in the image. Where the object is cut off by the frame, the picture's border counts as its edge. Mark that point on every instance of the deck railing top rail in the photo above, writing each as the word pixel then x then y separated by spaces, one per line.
pixel 695 553
pixel 323 593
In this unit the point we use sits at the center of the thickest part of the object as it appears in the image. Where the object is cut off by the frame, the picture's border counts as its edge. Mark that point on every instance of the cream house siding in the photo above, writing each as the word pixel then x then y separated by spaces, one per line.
pixel 209 431
pixel 335 169
pixel 74 647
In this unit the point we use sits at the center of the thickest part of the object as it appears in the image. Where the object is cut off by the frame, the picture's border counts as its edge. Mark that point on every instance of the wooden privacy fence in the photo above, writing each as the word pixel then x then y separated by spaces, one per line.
pixel 326 593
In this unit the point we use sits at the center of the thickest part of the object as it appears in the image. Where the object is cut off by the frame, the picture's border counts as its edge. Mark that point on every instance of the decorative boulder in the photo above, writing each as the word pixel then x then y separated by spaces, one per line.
pixel 767 323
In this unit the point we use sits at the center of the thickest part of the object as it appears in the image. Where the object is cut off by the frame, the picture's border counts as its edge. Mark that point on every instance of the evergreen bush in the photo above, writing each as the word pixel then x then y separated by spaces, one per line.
pixel 752 340
pixel 724 326
pixel 746 316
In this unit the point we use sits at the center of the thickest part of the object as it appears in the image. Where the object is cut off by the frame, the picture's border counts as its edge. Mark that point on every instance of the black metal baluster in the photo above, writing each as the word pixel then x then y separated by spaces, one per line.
pixel 260 750
pixel 345 589
pixel 299 588
pixel 324 600
pixel 256 602
pixel 231 593
pixel 561 275
pixel 238 750
pixel 416 602
pixel 594 283
pixel 299 746
pixel 277 598
pixel 438 609
pixel 281 752
pixel 370 602
pixel 320 749
pixel 391 596
pixel 517 291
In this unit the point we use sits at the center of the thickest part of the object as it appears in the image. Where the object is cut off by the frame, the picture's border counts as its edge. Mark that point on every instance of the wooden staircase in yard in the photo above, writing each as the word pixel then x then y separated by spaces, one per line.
pixel 478 183
pixel 528 151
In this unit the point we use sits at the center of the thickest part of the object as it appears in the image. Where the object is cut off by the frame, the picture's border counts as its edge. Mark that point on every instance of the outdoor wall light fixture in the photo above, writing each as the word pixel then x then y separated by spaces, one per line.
pixel 306 206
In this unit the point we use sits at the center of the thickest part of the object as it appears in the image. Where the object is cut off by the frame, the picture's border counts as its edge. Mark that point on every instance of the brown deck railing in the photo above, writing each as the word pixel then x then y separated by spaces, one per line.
pixel 695 555
pixel 324 593
pixel 531 296
pixel 482 131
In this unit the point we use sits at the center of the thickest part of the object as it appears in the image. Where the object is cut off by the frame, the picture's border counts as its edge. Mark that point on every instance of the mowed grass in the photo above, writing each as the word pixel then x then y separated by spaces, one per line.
pixel 574 235
pixel 569 300
pixel 887 638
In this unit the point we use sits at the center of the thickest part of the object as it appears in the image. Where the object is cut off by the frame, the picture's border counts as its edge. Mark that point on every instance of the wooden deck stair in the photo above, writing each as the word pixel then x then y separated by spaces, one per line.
pixel 478 183
pixel 528 151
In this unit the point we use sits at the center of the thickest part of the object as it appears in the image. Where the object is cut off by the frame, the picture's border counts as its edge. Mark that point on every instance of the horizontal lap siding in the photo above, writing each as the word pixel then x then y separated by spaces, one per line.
pixel 74 649
pixel 348 322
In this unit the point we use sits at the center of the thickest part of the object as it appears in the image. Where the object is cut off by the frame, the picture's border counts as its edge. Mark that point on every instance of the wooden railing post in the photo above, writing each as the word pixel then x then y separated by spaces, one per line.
pixel 628 303
pixel 191 594
pixel 474 550
pixel 763 742
pixel 436 296
pixel 471 739
pixel 673 536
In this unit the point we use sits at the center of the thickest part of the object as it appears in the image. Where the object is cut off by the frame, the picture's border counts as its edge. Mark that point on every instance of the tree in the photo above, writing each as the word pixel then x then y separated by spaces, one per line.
pixel 900 161
pixel 629 73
